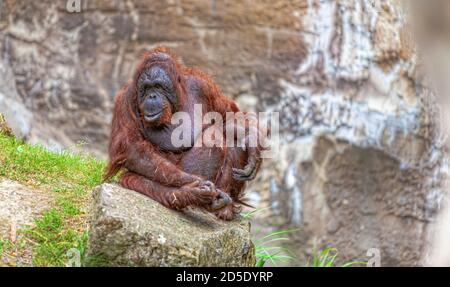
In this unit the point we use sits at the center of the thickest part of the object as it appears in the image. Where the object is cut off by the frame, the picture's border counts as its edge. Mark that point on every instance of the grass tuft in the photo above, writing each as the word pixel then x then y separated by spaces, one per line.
pixel 269 248
pixel 327 258
pixel 70 178
pixel 265 250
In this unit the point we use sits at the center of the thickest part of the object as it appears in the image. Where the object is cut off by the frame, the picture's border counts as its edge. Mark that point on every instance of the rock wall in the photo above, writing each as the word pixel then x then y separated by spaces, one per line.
pixel 66 68
pixel 360 163
pixel 431 26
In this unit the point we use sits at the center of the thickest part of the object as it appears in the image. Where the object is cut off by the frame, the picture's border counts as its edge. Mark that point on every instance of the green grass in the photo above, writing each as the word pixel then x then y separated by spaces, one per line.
pixel 5 246
pixel 266 251
pixel 70 178
pixel 327 258
pixel 2 246
pixel 268 247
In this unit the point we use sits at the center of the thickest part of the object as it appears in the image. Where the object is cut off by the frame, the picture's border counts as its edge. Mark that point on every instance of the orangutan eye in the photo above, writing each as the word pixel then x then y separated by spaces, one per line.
pixel 159 86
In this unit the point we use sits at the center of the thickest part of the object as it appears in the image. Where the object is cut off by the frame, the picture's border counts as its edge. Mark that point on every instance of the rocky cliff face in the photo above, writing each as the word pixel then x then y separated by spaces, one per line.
pixel 65 69
pixel 359 166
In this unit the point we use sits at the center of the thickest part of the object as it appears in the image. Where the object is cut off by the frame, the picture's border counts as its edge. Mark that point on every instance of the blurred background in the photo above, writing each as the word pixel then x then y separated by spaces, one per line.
pixel 359 85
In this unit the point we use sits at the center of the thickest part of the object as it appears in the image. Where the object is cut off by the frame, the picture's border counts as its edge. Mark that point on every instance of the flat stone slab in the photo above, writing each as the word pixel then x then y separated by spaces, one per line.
pixel 19 206
pixel 130 229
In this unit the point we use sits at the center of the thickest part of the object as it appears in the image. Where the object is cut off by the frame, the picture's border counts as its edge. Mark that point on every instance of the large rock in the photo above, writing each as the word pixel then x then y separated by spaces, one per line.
pixel 19 206
pixel 129 229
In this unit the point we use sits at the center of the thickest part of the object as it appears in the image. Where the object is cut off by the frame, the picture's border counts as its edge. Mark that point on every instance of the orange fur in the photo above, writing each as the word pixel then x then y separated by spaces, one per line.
pixel 174 180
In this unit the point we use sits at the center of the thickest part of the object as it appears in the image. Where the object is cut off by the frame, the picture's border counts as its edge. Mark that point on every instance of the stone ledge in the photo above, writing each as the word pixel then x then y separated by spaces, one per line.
pixel 130 229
